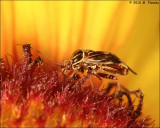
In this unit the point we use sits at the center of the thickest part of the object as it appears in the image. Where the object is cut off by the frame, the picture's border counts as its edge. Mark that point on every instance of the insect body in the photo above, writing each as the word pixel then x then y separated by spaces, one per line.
pixel 97 63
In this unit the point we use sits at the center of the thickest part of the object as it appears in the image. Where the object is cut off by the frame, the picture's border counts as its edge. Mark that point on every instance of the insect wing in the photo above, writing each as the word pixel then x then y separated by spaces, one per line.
pixel 100 57
pixel 108 61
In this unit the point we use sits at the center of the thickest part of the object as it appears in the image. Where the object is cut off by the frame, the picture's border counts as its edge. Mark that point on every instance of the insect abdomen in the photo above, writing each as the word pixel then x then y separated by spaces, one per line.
pixel 115 68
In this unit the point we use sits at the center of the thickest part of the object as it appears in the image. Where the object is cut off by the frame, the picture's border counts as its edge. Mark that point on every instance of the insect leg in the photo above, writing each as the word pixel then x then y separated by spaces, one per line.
pixel 72 73
pixel 59 65
pixel 95 74
pixel 140 105
pixel 108 76
pixel 91 82
pixel 81 82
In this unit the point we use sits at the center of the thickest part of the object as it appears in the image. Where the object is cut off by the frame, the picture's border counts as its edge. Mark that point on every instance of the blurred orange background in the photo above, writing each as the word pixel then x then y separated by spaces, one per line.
pixel 131 31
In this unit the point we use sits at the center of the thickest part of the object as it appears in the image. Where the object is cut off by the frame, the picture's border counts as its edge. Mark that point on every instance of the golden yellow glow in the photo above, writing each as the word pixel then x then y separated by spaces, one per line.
pixel 131 31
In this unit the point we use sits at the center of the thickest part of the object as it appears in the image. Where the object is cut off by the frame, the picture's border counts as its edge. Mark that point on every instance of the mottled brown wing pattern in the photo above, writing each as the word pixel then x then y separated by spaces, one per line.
pixel 101 57
pixel 107 62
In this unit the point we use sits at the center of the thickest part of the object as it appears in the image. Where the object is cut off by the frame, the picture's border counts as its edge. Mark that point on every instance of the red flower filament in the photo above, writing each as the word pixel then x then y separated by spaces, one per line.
pixel 32 96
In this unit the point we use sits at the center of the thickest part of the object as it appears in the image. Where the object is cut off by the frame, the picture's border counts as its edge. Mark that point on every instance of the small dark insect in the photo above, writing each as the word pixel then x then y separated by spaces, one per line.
pixel 30 53
pixel 27 56
pixel 96 63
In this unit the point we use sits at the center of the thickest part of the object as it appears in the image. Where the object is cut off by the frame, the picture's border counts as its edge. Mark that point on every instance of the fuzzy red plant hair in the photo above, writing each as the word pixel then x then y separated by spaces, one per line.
pixel 34 97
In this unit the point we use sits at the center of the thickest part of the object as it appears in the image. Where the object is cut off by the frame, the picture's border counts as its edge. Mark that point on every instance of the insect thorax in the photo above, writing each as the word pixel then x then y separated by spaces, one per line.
pixel 77 57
